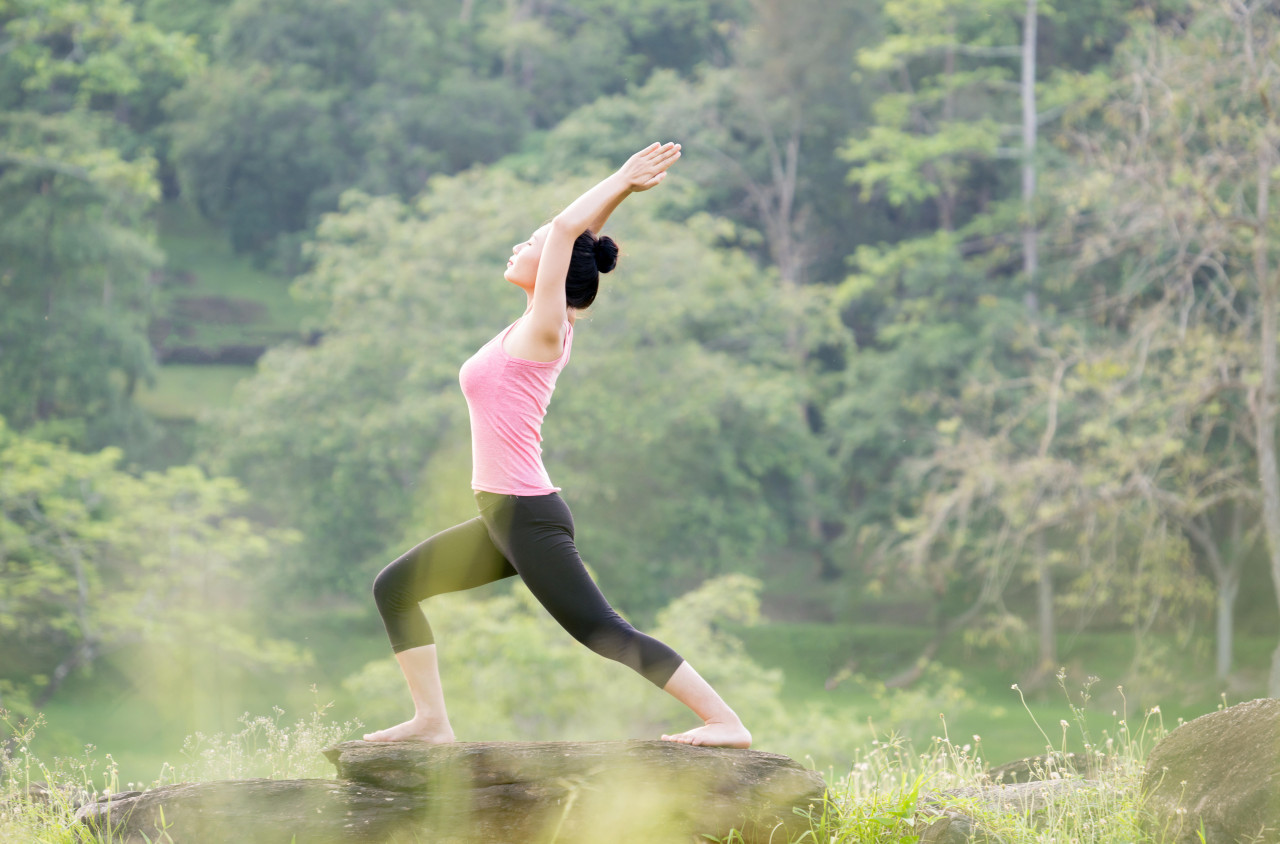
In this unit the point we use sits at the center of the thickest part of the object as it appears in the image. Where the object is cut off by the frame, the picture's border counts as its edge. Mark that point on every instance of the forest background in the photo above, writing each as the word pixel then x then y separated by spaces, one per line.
pixel 944 362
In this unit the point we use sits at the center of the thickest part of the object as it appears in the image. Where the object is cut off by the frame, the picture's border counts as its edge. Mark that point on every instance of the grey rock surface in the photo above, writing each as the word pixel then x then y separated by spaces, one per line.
pixel 491 792
pixel 1045 767
pixel 955 816
pixel 1222 770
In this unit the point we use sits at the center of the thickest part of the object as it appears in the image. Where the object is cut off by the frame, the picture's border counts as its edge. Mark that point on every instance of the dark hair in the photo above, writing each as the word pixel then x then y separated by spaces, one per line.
pixel 591 256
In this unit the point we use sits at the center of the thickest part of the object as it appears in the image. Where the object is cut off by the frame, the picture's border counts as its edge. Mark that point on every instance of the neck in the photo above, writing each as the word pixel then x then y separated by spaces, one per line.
pixel 571 314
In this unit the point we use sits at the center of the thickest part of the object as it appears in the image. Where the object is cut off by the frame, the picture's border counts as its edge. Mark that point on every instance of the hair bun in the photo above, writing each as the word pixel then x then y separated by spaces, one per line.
pixel 606 252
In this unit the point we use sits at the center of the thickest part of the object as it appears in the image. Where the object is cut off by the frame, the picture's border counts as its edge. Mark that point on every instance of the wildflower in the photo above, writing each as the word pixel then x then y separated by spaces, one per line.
pixel 1064 723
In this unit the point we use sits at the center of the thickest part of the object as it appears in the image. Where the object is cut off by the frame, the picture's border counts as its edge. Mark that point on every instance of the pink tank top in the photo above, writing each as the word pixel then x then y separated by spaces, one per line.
pixel 507 398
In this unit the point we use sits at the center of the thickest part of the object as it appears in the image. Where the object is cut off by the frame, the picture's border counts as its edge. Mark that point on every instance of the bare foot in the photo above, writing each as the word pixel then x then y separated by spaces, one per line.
pixel 715 734
pixel 415 729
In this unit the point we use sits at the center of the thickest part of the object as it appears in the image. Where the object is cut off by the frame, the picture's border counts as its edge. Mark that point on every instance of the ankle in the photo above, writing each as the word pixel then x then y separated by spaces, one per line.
pixel 730 718
pixel 430 720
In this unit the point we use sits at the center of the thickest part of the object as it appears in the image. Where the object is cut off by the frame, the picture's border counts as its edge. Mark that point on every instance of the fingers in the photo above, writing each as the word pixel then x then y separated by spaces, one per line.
pixel 662 159
pixel 658 152
pixel 648 166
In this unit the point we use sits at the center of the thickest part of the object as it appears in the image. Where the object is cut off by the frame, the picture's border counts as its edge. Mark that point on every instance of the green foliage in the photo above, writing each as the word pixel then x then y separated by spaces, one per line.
pixel 305 100
pixel 67 54
pixel 1147 203
pixel 74 277
pixel 95 559
pixel 76 184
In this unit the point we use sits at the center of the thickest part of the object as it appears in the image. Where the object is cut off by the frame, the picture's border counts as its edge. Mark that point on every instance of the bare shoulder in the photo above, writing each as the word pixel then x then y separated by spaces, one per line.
pixel 530 341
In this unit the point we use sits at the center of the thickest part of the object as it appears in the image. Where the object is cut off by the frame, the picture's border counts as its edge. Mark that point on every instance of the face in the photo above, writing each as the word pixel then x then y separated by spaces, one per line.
pixel 522 269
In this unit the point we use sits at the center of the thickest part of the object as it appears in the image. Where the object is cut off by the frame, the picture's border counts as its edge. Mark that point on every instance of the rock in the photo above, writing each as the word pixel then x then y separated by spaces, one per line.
pixel 944 826
pixel 473 792
pixel 948 817
pixel 1222 770
pixel 253 811
pixel 1047 766
pixel 39 793
pixel 641 790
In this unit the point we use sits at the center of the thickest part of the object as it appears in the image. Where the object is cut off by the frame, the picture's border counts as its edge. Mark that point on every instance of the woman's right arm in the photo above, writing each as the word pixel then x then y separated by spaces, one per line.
pixel 642 171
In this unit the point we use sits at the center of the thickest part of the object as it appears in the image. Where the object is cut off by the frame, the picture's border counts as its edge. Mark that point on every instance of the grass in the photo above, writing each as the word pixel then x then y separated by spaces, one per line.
pixel 185 391
pixel 881 798
pixel 210 298
pixel 201 265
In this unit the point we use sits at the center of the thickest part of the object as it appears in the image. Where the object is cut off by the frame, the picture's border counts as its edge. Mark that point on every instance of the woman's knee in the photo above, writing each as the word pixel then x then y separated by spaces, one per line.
pixel 388 589
pixel 613 639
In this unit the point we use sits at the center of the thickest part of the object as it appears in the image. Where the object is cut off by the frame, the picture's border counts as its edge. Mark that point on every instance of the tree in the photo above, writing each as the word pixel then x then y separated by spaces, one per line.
pixel 938 310
pixel 305 100
pixel 933 147
pixel 1178 191
pixel 1105 448
pixel 75 191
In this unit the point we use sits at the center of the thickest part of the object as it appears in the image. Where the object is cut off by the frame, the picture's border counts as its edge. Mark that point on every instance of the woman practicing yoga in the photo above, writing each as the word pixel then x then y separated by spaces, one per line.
pixel 524 527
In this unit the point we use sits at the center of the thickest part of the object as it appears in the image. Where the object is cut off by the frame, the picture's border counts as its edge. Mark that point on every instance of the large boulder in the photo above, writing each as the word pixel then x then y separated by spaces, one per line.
pixel 472 792
pixel 589 791
pixel 955 816
pixel 1221 770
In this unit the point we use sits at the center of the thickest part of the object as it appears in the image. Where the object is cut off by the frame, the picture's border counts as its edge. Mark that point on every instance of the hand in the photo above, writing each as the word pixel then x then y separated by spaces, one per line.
pixel 649 166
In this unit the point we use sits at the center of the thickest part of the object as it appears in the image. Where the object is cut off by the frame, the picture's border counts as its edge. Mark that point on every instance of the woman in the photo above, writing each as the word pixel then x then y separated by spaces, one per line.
pixel 524 527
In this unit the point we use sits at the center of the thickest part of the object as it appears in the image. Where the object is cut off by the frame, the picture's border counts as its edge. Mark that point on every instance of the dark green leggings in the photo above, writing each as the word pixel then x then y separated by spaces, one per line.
pixel 528 535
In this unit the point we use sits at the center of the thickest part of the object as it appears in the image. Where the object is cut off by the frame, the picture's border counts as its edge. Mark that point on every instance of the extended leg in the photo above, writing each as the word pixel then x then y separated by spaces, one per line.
pixel 721 725
pixel 536 534
pixel 537 537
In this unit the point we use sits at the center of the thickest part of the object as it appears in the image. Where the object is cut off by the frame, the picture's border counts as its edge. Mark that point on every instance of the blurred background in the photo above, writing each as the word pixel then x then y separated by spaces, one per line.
pixel 934 393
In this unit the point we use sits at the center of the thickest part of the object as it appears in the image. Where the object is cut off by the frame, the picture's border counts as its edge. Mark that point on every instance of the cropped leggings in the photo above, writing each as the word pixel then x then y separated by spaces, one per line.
pixel 528 535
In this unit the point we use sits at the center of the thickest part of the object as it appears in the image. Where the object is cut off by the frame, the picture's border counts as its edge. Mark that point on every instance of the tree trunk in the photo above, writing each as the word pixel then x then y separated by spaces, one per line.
pixel 1044 607
pixel 1030 254
pixel 1227 592
pixel 1264 398
pixel 1226 578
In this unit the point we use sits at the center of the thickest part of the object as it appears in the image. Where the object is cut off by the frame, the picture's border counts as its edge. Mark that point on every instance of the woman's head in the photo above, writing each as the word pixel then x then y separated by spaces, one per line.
pixel 590 257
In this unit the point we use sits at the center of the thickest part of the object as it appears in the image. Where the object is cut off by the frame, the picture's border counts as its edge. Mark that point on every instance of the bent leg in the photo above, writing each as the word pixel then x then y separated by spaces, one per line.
pixel 536 534
pixel 461 557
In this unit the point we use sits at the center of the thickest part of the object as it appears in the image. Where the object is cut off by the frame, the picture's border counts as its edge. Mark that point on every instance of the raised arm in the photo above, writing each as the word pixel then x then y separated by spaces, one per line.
pixel 642 171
